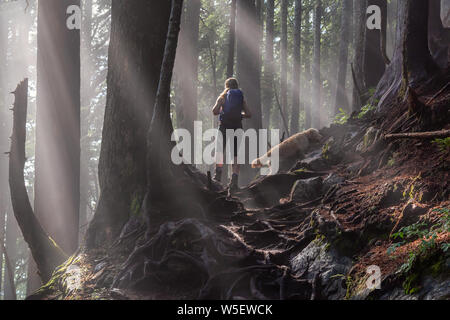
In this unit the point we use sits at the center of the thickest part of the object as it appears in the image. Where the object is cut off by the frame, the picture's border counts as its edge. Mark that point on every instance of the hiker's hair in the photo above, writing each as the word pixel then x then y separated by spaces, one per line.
pixel 230 84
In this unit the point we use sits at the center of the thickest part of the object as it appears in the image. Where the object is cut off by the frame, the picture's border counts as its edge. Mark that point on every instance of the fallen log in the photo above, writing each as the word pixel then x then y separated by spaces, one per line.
pixel 419 135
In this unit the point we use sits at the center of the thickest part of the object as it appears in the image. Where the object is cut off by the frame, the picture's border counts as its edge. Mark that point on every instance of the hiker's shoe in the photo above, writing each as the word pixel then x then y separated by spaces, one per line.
pixel 218 175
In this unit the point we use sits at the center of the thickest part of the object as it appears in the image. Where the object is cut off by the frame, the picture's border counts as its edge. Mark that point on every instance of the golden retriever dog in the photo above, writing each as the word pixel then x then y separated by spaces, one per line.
pixel 295 146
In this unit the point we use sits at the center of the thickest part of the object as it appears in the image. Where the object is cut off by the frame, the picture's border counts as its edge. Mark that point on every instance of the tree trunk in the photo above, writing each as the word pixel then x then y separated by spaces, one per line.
pixel 341 95
pixel 308 92
pixel 439 37
pixel 268 79
pixel 45 251
pixel 2 237
pixel 412 62
pixel 133 76
pixel 231 40
pixel 12 233
pixel 10 287
pixel 284 57
pixel 188 77
pixel 359 14
pixel 158 141
pixel 374 64
pixel 297 69
pixel 248 69
pixel 316 83
pixel 3 141
pixel 57 186
pixel 86 97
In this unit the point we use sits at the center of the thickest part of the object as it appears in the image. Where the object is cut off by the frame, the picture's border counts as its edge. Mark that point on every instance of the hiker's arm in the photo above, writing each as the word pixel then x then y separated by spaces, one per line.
pixel 218 105
pixel 247 113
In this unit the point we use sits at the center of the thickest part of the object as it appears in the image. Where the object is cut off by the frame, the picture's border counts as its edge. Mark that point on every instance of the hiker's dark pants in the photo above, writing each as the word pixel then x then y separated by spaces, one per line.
pixel 226 139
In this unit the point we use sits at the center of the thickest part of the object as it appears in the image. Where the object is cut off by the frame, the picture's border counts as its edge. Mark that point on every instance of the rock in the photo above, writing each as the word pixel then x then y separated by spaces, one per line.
pixel 313 161
pixel 332 151
pixel 435 289
pixel 306 190
pixel 412 213
pixel 332 180
pixel 431 289
pixel 318 259
pixel 398 294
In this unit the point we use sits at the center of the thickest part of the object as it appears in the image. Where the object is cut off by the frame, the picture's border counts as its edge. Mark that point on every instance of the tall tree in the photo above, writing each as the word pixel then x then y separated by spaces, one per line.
pixel 45 251
pixel 133 76
pixel 297 68
pixel 284 58
pixel 248 66
pixel 439 37
pixel 268 76
pixel 12 234
pixel 375 42
pixel 161 127
pixel 341 96
pixel 316 83
pixel 188 75
pixel 412 62
pixel 57 186
pixel 248 52
pixel 3 139
pixel 231 40
pixel 359 13
pixel 86 96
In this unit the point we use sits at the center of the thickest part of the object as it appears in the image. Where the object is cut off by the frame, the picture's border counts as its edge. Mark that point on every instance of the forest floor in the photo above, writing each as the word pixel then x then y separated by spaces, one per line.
pixel 312 232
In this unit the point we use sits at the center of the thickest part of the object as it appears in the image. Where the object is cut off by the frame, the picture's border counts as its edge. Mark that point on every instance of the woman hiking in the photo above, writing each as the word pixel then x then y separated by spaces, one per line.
pixel 231 108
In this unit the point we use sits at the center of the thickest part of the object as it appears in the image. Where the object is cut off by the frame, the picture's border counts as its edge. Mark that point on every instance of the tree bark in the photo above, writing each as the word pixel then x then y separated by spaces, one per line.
pixel 133 76
pixel 268 77
pixel 86 97
pixel 3 140
pixel 248 32
pixel 45 251
pixel 341 95
pixel 158 142
pixel 10 294
pixel 57 186
pixel 412 62
pixel 12 233
pixel 231 40
pixel 297 69
pixel 284 58
pixel 438 36
pixel 374 64
pixel 248 51
pixel 188 77
pixel 316 83
pixel 359 14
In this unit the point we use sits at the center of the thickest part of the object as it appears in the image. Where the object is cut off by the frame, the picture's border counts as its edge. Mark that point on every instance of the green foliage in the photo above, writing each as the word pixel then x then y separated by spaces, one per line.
pixel 428 236
pixel 342 117
pixel 443 144
pixel 391 162
pixel 367 109
pixel 325 150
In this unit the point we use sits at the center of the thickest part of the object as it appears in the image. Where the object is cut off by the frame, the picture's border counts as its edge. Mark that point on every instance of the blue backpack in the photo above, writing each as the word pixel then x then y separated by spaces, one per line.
pixel 231 115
